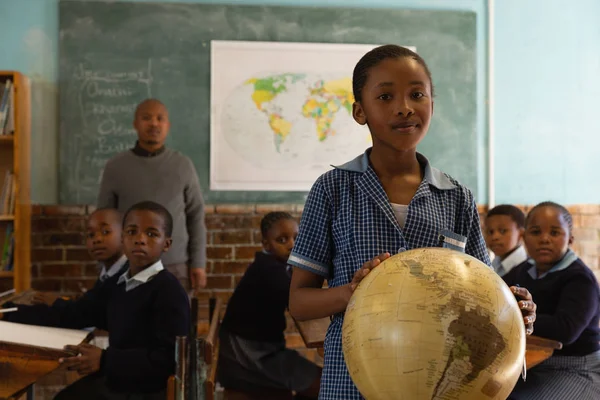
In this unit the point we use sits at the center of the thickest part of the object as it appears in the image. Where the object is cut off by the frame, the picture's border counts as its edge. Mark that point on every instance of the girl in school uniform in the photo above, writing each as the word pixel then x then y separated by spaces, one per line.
pixel 253 354
pixel 385 201
pixel 568 300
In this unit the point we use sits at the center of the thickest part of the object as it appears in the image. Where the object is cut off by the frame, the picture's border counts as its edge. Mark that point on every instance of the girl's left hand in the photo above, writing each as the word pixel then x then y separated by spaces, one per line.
pixel 527 306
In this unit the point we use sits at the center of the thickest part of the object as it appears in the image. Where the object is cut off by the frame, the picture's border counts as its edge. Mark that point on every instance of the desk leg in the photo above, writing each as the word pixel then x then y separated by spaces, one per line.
pixel 30 393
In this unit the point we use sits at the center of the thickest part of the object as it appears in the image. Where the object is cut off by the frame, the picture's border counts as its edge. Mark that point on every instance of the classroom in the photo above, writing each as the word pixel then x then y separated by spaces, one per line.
pixel 252 101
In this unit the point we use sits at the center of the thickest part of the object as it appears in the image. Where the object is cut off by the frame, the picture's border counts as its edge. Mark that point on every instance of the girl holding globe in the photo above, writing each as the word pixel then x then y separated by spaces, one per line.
pixel 388 200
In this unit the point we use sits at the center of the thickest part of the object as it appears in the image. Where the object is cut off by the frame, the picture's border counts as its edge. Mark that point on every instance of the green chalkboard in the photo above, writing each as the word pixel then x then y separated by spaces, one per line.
pixel 113 55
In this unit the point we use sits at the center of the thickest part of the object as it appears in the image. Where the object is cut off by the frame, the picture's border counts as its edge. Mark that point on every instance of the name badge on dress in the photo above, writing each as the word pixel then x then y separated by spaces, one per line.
pixel 451 240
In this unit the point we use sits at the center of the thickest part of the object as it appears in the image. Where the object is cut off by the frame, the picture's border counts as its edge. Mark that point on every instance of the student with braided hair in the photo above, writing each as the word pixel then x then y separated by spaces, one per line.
pixel 253 354
pixel 568 301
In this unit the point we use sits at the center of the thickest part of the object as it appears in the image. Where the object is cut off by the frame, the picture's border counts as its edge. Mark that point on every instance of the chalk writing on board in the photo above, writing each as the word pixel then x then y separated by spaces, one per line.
pixel 113 40
pixel 141 75
pixel 106 99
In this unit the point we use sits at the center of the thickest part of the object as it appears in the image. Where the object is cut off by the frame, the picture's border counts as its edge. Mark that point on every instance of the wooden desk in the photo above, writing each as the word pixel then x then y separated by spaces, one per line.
pixel 537 349
pixel 17 373
pixel 22 366
pixel 25 297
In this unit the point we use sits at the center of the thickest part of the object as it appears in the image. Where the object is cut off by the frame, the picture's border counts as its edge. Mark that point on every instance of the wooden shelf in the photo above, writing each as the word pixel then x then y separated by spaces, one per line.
pixel 15 157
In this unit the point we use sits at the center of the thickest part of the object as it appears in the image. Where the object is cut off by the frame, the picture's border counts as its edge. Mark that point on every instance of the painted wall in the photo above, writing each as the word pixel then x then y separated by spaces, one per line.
pixel 546 74
pixel 32 26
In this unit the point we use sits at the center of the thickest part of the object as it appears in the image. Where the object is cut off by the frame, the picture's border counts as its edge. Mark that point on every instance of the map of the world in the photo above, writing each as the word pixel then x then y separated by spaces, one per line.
pixel 286 117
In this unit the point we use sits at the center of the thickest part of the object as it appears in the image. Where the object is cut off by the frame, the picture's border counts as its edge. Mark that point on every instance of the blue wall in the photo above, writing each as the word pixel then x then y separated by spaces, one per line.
pixel 32 27
pixel 546 75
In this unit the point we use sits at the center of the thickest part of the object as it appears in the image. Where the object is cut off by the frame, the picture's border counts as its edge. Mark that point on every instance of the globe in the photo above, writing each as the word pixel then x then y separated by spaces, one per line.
pixel 433 323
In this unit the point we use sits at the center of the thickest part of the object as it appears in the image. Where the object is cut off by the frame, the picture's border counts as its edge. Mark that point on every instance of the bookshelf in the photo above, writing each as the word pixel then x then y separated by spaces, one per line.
pixel 15 213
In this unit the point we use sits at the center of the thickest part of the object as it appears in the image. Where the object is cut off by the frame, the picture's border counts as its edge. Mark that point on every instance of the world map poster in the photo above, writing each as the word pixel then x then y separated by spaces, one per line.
pixel 281 113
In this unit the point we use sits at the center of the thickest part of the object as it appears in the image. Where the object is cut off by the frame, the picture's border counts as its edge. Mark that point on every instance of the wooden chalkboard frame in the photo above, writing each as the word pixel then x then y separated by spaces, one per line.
pixel 174 39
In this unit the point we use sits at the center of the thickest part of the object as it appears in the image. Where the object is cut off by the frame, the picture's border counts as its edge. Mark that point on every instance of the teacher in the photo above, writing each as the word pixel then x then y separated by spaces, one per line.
pixel 150 171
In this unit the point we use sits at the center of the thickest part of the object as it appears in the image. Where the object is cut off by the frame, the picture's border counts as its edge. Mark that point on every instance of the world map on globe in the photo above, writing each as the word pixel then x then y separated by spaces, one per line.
pixel 433 324
pixel 277 120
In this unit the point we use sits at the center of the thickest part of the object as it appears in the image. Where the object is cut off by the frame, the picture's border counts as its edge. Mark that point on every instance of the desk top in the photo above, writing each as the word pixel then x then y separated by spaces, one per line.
pixel 313 331
pixel 536 341
pixel 21 366
pixel 25 297
pixel 539 349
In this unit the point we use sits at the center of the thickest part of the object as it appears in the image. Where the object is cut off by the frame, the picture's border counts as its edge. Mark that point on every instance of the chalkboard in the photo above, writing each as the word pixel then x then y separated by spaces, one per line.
pixel 113 55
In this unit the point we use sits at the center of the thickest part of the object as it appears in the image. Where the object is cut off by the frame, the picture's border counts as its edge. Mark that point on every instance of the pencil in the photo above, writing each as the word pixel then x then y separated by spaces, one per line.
pixel 11 291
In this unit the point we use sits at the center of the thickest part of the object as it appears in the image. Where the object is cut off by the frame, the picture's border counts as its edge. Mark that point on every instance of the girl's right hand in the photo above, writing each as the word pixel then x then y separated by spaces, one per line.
pixel 365 269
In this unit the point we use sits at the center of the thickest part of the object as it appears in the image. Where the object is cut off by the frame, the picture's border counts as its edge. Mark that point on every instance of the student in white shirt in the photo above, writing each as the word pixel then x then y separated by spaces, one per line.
pixel 503 233
pixel 104 243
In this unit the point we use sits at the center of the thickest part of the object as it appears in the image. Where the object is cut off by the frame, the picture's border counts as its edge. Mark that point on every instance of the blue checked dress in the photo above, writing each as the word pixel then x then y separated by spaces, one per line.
pixel 348 220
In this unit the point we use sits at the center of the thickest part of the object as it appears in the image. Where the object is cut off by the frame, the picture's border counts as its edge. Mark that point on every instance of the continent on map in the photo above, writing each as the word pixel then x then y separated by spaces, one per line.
pixel 325 100
pixel 280 127
pixel 265 91
pixel 476 340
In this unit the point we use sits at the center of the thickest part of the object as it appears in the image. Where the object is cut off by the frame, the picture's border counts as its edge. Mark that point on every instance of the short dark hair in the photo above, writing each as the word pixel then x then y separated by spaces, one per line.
pixel 561 209
pixel 143 103
pixel 155 208
pixel 110 209
pixel 270 219
pixel 374 57
pixel 510 211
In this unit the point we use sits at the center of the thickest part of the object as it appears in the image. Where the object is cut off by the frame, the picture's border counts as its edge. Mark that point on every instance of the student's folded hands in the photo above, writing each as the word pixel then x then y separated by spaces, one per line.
pixel 86 361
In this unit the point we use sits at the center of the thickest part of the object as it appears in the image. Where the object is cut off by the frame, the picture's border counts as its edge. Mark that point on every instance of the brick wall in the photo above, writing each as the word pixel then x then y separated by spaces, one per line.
pixel 60 261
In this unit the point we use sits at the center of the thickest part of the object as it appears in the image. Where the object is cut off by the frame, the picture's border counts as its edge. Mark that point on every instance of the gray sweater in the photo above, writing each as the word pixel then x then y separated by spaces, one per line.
pixel 169 179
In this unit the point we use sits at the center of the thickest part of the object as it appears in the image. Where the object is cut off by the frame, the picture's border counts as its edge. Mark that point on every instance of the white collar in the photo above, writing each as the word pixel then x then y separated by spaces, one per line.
pixel 141 277
pixel 569 258
pixel 112 271
pixel 518 256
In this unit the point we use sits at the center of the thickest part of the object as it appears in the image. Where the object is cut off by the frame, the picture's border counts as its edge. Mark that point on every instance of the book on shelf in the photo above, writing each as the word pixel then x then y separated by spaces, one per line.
pixel 7 107
pixel 8 195
pixel 8 247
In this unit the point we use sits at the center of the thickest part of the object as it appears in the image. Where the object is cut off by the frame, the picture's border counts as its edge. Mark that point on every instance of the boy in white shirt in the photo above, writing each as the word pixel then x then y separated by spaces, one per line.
pixel 503 233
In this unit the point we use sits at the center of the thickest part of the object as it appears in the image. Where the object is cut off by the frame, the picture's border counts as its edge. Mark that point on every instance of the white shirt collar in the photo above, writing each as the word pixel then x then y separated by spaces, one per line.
pixel 141 277
pixel 502 267
pixel 569 258
pixel 112 271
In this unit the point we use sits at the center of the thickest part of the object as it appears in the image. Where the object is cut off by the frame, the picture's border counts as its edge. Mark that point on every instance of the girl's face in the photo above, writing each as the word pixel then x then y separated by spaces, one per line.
pixel 547 237
pixel 396 103
pixel 280 239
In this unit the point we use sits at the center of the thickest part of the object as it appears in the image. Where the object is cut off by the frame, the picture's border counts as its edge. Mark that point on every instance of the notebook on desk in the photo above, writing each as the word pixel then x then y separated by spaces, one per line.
pixel 40 336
